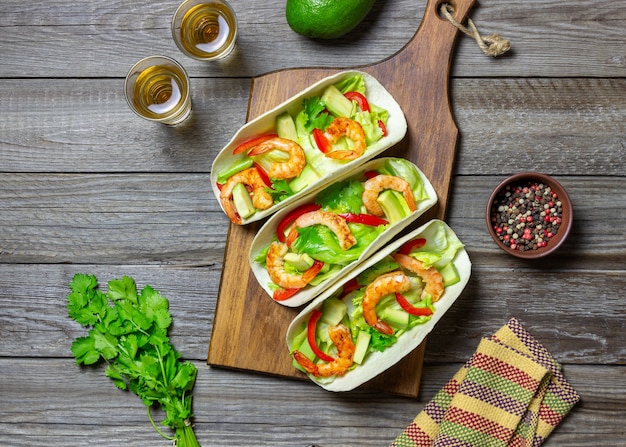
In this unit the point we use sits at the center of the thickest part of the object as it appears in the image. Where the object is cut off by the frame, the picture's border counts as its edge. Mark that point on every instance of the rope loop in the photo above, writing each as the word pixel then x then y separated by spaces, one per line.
pixel 492 45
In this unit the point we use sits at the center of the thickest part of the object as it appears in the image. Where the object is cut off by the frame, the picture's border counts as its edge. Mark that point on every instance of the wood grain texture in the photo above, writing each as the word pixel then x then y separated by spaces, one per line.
pixel 33 299
pixel 86 186
pixel 506 125
pixel 578 38
pixel 417 78
pixel 276 416
pixel 112 219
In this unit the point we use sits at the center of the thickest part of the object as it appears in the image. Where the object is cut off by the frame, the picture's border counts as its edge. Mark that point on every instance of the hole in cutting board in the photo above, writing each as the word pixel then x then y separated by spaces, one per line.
pixel 440 4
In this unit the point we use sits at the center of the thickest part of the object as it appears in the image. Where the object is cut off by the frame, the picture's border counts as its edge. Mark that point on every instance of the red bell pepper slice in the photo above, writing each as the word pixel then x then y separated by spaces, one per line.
pixel 371 174
pixel 310 334
pixel 283 294
pixel 251 142
pixel 411 245
pixel 321 141
pixel 408 307
pixel 291 217
pixel 263 175
pixel 365 219
pixel 382 126
pixel 350 286
pixel 361 100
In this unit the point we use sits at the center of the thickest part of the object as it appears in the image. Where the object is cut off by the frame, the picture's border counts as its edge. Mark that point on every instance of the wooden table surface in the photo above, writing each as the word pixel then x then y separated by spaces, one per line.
pixel 86 186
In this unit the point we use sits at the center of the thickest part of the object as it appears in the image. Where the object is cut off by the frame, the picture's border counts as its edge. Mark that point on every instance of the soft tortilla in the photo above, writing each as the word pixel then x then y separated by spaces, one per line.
pixel 266 234
pixel 377 362
pixel 376 93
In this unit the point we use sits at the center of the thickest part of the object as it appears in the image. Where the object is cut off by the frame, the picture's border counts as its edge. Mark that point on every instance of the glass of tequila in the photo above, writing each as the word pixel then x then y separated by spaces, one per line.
pixel 205 29
pixel 157 89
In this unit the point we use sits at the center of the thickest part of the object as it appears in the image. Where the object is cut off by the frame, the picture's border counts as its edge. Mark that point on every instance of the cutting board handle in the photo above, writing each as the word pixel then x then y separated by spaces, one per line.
pixel 418 77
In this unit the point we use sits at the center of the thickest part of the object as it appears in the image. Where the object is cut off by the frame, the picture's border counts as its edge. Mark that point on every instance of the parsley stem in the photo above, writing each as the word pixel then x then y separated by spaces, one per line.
pixel 169 438
pixel 165 381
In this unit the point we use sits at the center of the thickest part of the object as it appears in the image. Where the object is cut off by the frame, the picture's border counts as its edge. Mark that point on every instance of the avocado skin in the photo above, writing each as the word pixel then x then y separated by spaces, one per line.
pixel 326 19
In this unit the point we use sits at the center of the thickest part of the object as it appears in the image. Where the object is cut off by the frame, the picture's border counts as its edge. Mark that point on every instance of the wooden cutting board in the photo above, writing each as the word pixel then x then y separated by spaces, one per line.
pixel 249 328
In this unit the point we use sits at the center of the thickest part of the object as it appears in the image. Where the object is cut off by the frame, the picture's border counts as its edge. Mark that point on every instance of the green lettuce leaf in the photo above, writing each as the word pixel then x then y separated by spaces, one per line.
pixel 342 197
pixel 441 246
pixel 354 83
pixel 320 243
pixel 406 170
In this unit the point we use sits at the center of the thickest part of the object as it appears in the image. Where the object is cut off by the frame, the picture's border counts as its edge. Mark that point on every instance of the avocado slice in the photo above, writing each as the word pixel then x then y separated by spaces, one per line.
pixel 396 318
pixel 335 102
pixel 394 205
pixel 333 311
pixel 361 345
pixel 286 127
pixel 300 261
pixel 243 201
pixel 449 274
pixel 307 177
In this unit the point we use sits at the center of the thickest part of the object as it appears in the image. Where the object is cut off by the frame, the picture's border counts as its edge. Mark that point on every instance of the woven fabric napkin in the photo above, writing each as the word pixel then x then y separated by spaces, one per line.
pixel 511 393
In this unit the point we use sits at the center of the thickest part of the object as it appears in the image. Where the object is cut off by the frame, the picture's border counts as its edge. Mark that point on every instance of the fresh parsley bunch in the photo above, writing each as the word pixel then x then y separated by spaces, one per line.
pixel 128 330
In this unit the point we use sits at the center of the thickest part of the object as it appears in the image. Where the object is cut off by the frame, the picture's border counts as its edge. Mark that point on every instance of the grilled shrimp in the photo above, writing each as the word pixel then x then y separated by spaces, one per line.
pixel 274 262
pixel 285 169
pixel 331 220
pixel 375 185
pixel 341 338
pixel 351 129
pixel 431 276
pixel 383 285
pixel 250 177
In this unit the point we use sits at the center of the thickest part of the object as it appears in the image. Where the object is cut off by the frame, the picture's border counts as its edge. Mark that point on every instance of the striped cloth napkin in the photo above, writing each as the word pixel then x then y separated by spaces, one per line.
pixel 511 393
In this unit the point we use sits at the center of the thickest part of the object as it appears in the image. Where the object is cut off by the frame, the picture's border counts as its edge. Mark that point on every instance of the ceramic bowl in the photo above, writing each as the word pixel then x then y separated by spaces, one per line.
pixel 534 219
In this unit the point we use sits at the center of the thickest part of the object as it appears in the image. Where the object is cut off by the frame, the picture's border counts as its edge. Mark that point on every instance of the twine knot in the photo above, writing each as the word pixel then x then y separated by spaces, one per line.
pixel 492 45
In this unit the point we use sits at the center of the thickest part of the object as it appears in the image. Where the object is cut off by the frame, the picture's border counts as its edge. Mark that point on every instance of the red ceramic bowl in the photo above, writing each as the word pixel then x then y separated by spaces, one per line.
pixel 533 219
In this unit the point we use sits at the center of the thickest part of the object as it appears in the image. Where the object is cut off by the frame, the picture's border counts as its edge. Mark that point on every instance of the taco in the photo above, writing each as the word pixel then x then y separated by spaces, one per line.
pixel 301 145
pixel 302 249
pixel 380 312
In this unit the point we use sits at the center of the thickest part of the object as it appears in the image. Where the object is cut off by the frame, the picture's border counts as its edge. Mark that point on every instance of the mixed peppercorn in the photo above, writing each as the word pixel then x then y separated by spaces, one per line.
pixel 526 215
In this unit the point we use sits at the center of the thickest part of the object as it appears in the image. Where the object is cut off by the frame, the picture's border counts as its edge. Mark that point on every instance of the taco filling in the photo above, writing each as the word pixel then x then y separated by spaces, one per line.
pixel 336 127
pixel 374 309
pixel 317 240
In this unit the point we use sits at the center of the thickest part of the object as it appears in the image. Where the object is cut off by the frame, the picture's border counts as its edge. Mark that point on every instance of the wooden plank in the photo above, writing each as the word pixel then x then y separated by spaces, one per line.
pixel 84 406
pixel 577 313
pixel 560 126
pixel 102 40
pixel 165 220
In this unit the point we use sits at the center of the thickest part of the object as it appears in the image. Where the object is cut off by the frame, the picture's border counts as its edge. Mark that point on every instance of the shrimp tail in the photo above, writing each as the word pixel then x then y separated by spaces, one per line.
pixel 261 148
pixel 291 236
pixel 382 327
pixel 410 200
pixel 305 362
pixel 231 211
pixel 343 155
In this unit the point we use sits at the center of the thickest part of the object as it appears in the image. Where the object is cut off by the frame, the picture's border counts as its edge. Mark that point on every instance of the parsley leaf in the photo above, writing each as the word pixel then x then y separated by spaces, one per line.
pixel 317 116
pixel 128 330
pixel 280 190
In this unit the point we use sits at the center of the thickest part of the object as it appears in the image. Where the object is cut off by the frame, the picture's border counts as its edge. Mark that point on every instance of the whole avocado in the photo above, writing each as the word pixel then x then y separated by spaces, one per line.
pixel 326 19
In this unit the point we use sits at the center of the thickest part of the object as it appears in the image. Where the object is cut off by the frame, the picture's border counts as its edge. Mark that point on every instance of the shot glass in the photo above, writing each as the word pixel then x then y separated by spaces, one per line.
pixel 205 30
pixel 157 89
